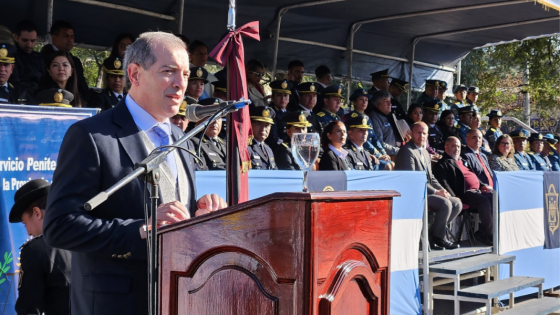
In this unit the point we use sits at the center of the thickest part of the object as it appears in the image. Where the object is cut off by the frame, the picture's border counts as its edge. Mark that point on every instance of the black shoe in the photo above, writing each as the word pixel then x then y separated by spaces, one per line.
pixel 439 244
pixel 484 239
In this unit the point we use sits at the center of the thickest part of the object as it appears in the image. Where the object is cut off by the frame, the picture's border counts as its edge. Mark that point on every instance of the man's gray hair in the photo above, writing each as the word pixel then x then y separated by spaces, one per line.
pixel 379 95
pixel 141 52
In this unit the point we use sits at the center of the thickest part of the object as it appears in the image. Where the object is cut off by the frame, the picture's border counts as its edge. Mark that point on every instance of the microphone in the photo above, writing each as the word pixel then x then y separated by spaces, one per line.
pixel 197 112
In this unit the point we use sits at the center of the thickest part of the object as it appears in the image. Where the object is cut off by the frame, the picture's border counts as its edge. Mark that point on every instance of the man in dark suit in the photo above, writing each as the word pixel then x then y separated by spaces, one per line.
pixel 62 37
pixel 30 64
pixel 476 159
pixel 414 157
pixel 456 177
pixel 109 260
pixel 114 92
pixel 296 69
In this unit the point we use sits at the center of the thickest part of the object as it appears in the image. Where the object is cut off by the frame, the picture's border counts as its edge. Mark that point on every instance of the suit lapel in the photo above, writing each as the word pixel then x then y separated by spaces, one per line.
pixel 129 136
pixel 259 150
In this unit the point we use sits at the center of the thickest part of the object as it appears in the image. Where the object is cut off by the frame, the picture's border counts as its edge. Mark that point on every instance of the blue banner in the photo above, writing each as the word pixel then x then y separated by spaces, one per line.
pixel 30 139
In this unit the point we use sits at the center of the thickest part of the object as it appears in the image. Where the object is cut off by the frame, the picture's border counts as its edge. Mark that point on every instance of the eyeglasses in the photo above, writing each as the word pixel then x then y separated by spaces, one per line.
pixel 258 74
pixel 505 143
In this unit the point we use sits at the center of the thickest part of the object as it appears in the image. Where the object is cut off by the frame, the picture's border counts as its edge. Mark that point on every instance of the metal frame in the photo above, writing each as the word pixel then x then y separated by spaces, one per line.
pixel 125 8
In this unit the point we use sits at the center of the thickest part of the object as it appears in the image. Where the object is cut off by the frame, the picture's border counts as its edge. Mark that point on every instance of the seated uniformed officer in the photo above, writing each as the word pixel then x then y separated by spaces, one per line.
pixel 435 135
pixel 297 122
pixel 213 148
pixel 262 157
pixel 396 88
pixel 220 89
pixel 460 92
pixel 10 94
pixel 536 143
pixel 331 105
pixel 114 86
pixel 550 154
pixel 442 95
pixel 358 158
pixel 494 132
pixel 465 120
pixel 430 92
pixel 519 138
pixel 54 97
pixel 307 100
pixel 44 277
pixel 195 87
pixel 180 120
pixel 281 91
pixel 472 97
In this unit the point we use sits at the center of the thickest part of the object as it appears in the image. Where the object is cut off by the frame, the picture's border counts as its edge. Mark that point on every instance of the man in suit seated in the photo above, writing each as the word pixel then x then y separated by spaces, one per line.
pixel 476 159
pixel 108 244
pixel 414 157
pixel 382 123
pixel 262 157
pixel 454 174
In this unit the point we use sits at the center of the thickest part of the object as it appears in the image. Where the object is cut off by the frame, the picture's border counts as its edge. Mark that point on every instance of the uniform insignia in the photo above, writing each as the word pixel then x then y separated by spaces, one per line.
pixel 540 136
pixel 364 121
pixel 284 85
pixel 312 88
pixel 3 51
pixel 499 113
pixel 359 163
pixel 354 115
pixel 10 85
pixel 117 63
pixel 199 73
pixel 436 106
pixel 58 97
pixel 492 129
pixel 256 157
pixel 339 90
pixel 285 145
pixel 301 118
pixel 457 126
pixel 211 153
pixel 521 134
pixel 321 114
pixel 265 113
pixel 364 91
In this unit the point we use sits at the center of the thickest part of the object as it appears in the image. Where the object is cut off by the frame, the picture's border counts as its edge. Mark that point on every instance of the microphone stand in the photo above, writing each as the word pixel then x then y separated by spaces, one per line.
pixel 150 168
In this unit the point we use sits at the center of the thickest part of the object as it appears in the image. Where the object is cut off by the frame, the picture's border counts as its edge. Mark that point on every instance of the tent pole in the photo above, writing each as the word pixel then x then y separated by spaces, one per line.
pixel 458 80
pixel 350 62
pixel 181 13
pixel 125 8
pixel 411 73
pixel 49 20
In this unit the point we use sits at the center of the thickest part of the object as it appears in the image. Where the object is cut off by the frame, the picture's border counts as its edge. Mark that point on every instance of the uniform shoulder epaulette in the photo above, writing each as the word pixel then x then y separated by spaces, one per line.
pixel 250 140
pixel 285 145
pixel 550 153
pixel 29 241
pixel 220 140
pixel 457 126
pixel 493 129
pixel 11 85
pixel 531 152
pixel 321 114
pixel 457 103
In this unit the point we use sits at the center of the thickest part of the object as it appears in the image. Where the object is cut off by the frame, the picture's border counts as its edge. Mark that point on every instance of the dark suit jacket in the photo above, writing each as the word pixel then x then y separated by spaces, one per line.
pixel 450 176
pixel 214 158
pixel 278 129
pixel 104 99
pixel 108 255
pixel 261 160
pixel 331 162
pixel 284 158
pixel 474 163
pixel 409 159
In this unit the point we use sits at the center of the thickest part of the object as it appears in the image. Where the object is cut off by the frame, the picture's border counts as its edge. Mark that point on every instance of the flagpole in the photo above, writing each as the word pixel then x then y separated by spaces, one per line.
pixel 232 157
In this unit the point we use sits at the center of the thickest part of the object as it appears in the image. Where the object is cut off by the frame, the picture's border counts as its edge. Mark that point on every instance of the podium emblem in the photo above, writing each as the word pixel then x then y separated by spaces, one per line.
pixel 552 205
pixel 328 188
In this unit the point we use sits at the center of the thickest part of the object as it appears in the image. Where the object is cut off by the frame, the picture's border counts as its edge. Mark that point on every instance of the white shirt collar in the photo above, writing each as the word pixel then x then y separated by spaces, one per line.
pixel 341 154
pixel 359 147
pixel 304 108
pixel 257 141
pixel 144 120
pixel 5 84
pixel 117 94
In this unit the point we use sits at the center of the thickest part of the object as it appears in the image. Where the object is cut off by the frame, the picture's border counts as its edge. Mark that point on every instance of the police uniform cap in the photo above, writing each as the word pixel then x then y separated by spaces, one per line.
pixel 7 52
pixel 379 74
pixel 432 106
pixel 535 136
pixel 401 84
pixel 550 139
pixel 443 85
pixel 297 119
pixel 281 86
pixel 474 89
pixel 459 88
pixel 357 121
pixel 27 194
pixel 519 133
pixel 431 82
pixel 113 65
pixel 466 109
pixel 183 109
pixel 333 90
pixel 220 86
pixel 495 113
pixel 262 113
pixel 307 87
pixel 198 73
pixel 360 92
pixel 54 97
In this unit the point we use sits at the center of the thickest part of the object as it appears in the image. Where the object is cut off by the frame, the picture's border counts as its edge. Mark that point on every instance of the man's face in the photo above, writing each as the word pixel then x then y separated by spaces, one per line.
pixel 442 94
pixel 64 40
pixel 160 89
pixel 461 95
pixel 180 121
pixel 115 82
pixel 195 88
pixel 384 105
pixel 519 144
pixel 261 130
pixel 281 100
pixel 123 44
pixel 26 41
pixel 332 103
pixel 293 129
pixel 432 91
pixel 537 146
pixel 419 134
pixel 360 104
pixel 474 140
pixel 473 97
pixel 200 56
pixel 5 72
pixel 395 91
pixel 214 128
pixel 33 222
pixel 430 117
pixel 382 83
pixel 308 100
pixel 466 118
pixel 358 135
pixel 296 74
pixel 496 122
pixel 453 148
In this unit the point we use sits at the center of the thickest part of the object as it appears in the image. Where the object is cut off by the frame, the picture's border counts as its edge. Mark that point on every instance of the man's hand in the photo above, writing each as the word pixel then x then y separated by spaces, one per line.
pixel 209 203
pixel 385 158
pixel 170 213
pixel 443 193
pixel 486 189
pixel 374 159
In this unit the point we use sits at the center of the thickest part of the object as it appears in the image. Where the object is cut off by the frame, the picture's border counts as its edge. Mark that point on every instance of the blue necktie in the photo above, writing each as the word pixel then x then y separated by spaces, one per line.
pixel 166 140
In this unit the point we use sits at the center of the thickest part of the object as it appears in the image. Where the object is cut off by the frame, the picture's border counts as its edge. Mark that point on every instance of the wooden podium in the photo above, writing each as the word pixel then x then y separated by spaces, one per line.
pixel 285 253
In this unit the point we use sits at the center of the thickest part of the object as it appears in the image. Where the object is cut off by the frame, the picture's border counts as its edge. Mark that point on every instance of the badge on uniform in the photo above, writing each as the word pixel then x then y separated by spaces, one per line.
pixel 211 153
pixel 256 157
pixel 388 125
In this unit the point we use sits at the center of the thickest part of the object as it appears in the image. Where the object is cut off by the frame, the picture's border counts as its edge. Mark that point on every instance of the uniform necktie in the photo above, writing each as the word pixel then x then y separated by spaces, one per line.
pixel 166 140
pixel 119 97
pixel 263 150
